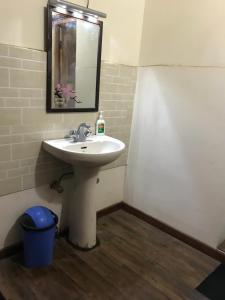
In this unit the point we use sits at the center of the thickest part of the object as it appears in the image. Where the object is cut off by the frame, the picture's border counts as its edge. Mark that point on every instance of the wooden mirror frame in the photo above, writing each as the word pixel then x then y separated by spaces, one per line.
pixel 49 108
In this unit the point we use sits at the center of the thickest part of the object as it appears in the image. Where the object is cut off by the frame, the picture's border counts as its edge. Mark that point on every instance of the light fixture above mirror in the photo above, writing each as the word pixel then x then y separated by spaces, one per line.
pixel 75 8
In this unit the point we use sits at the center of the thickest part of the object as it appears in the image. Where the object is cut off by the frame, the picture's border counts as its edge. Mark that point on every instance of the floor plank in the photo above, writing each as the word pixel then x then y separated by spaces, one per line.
pixel 134 261
pixel 221 247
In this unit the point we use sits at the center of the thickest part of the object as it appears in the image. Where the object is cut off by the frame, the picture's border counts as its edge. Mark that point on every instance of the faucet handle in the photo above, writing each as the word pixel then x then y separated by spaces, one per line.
pixel 85 125
pixel 88 132
pixel 71 132
pixel 69 135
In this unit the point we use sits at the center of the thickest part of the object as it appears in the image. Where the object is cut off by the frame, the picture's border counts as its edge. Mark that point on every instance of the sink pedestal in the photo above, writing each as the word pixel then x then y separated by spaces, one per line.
pixel 86 158
pixel 82 221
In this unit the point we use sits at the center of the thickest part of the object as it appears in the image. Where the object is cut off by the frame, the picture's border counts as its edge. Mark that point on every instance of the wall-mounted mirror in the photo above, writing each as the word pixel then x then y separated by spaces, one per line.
pixel 73 63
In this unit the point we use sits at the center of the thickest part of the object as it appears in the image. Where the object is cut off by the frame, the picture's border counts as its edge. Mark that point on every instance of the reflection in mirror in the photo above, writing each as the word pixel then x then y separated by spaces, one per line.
pixel 73 63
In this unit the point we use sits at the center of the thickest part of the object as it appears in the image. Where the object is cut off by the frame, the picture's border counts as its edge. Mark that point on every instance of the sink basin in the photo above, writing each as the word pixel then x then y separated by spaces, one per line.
pixel 95 151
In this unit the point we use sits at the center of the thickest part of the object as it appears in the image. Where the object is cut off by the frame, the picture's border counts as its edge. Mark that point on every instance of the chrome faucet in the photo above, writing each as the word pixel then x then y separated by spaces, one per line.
pixel 80 134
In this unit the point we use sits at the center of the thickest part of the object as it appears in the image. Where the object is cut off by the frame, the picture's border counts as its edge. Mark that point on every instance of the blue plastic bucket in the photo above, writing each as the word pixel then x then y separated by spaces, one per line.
pixel 39 226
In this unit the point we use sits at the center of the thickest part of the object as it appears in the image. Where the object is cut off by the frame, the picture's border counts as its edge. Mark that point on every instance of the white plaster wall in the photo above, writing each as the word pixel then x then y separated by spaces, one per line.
pixel 176 165
pixel 111 187
pixel 22 24
pixel 12 206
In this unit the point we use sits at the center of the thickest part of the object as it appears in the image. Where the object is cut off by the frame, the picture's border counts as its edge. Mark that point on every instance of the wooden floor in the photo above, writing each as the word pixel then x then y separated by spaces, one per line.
pixel 134 261
pixel 221 247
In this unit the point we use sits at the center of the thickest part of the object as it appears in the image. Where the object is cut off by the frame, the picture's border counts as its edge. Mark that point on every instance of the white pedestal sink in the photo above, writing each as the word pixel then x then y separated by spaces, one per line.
pixel 86 158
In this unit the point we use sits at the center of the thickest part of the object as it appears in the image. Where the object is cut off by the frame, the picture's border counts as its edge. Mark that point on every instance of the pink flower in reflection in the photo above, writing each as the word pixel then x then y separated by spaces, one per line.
pixel 64 91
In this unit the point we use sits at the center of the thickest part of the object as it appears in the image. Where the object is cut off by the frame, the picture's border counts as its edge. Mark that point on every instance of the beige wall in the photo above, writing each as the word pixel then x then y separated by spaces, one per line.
pixel 122 29
pixel 183 32
pixel 22 24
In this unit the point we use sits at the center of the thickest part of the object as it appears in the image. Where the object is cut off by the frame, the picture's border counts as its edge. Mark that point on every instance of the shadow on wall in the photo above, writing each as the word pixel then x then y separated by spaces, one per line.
pixel 15 231
pixel 36 191
pixel 66 198
pixel 53 170
pixel 18 203
pixel 47 169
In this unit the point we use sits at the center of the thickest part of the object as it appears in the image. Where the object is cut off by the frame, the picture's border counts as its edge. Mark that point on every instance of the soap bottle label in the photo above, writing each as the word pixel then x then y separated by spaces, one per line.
pixel 101 128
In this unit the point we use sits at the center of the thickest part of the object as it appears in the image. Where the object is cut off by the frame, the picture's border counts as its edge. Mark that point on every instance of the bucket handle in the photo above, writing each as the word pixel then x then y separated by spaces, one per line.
pixel 55 217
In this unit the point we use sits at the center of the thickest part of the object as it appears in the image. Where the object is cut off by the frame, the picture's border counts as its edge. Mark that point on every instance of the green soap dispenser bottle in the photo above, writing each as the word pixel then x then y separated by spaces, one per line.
pixel 100 124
